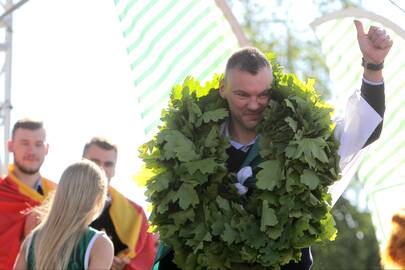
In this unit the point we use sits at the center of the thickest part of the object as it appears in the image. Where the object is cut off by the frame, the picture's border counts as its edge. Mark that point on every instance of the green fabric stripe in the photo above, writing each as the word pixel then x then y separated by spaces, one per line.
pixel 377 213
pixel 341 73
pixel 218 61
pixel 164 96
pixel 151 126
pixel 156 103
pixel 386 187
pixel 127 8
pixel 387 121
pixel 370 180
pixel 183 53
pixel 333 29
pixel 336 42
pixel 116 2
pixel 196 61
pixel 200 58
pixel 396 92
pixel 166 31
pixel 355 80
pixel 136 17
pixel 204 74
pixel 177 39
pixel 393 114
pixel 338 59
pixel 155 21
pixel 388 157
pixel 390 172
pixel 394 74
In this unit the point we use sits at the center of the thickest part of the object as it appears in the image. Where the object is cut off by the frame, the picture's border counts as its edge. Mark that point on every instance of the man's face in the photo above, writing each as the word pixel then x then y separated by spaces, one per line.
pixel 247 96
pixel 29 148
pixel 106 159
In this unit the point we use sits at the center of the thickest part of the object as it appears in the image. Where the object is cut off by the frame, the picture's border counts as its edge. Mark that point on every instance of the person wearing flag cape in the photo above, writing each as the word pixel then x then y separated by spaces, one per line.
pixel 123 220
pixel 23 187
pixel 245 87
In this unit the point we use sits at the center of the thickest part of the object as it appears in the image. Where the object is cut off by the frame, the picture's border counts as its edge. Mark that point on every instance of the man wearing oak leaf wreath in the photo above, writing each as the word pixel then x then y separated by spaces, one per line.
pixel 245 87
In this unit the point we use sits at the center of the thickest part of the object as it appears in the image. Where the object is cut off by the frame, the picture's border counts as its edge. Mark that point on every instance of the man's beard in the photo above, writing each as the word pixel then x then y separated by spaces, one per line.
pixel 26 170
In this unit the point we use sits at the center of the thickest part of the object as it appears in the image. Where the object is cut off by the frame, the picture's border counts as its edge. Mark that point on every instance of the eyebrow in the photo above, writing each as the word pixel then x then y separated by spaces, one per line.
pixel 244 91
pixel 109 163
pixel 28 140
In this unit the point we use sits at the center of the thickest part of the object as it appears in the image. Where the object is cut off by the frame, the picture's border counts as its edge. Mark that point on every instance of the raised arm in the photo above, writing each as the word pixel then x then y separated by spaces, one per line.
pixel 362 123
pixel 374 46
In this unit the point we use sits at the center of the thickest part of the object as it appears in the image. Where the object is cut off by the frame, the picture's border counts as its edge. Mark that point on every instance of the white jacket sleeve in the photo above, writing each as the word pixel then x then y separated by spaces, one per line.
pixel 359 122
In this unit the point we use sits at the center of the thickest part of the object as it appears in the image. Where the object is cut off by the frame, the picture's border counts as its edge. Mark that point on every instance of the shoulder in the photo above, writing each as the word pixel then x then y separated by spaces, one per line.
pixel 102 253
pixel 49 183
pixel 103 243
pixel 5 182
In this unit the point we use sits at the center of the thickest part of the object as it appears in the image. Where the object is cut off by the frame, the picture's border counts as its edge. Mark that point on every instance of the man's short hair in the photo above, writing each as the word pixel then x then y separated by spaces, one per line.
pixel 247 59
pixel 27 123
pixel 103 143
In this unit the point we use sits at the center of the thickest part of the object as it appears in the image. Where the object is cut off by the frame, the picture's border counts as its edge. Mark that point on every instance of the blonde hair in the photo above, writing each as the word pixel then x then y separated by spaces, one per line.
pixel 78 200
pixel 394 253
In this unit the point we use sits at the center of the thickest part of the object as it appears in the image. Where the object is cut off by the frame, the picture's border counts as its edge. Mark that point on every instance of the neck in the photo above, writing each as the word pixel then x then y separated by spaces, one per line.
pixel 240 135
pixel 28 179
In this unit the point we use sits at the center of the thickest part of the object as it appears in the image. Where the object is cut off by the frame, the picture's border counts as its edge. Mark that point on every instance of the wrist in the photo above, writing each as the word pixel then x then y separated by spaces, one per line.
pixel 370 65
pixel 374 76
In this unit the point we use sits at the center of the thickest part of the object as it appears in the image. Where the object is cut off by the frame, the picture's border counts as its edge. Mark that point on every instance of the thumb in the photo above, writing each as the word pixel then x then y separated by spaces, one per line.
pixel 359 27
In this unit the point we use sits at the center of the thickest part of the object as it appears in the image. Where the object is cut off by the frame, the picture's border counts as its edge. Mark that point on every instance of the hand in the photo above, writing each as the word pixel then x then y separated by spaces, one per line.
pixel 119 263
pixel 374 45
pixel 156 238
pixel 32 220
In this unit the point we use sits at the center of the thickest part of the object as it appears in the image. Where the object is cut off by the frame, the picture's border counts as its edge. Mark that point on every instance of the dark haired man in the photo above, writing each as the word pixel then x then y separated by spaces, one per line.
pixel 124 221
pixel 245 86
pixel 22 188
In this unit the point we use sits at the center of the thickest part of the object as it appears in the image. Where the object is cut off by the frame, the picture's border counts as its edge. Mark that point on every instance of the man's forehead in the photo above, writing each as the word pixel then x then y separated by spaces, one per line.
pixel 237 70
pixel 30 134
pixel 236 74
pixel 243 80
pixel 95 151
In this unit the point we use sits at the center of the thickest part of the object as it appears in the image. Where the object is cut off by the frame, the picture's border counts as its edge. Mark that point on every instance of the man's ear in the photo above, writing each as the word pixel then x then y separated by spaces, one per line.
pixel 47 148
pixel 10 146
pixel 222 87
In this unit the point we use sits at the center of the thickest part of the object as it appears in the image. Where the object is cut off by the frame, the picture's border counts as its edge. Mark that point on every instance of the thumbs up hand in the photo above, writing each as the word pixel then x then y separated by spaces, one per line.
pixel 375 44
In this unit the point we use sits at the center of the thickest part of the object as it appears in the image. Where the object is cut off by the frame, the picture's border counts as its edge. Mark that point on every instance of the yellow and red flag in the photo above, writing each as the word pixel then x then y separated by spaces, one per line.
pixel 131 226
pixel 15 199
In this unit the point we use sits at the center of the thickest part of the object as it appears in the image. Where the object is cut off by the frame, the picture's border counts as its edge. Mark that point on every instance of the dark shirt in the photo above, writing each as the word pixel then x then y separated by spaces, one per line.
pixel 104 223
pixel 375 97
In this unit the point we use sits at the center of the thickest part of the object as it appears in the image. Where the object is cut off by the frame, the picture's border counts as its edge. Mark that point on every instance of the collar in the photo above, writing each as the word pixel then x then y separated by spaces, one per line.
pixel 38 186
pixel 237 145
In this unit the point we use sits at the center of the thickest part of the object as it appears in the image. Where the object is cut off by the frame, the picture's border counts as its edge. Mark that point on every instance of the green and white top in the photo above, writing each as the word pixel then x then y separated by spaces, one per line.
pixel 80 255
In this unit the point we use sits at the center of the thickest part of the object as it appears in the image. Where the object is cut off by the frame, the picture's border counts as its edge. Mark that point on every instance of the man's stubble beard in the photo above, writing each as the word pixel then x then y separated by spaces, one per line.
pixel 27 170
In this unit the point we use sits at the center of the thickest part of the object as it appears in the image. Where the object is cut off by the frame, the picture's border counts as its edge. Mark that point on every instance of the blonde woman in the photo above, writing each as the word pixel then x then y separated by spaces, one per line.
pixel 64 240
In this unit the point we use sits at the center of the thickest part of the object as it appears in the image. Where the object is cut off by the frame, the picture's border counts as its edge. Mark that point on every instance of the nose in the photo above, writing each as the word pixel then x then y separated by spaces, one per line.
pixel 253 104
pixel 29 148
